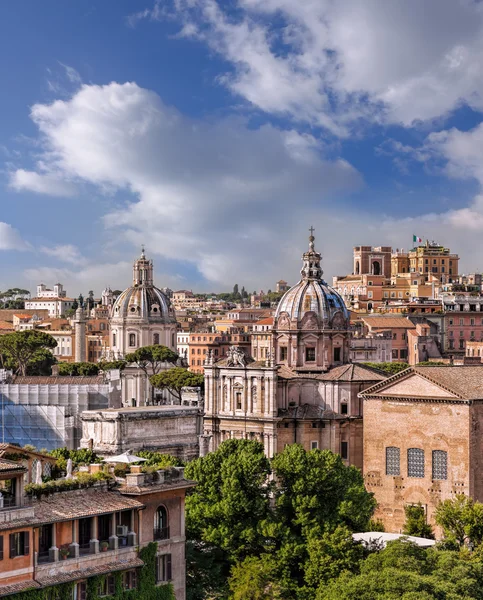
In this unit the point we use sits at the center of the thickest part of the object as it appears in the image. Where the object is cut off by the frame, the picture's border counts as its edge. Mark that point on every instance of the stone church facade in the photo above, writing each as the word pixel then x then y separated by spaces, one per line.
pixel 306 392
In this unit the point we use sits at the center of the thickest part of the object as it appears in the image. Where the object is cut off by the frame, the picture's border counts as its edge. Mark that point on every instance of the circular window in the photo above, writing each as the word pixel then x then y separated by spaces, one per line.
pixel 155 309
pixel 133 309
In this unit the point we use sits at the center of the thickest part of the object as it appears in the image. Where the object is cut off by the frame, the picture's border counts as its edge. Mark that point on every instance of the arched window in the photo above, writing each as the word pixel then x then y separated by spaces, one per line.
pixel 161 527
pixel 357 268
pixel 376 268
pixel 114 340
pixel 155 338
pixel 132 339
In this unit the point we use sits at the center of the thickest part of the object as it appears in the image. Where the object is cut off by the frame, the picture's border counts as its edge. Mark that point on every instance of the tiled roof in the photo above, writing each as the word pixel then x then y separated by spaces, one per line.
pixel 308 411
pixel 388 322
pixel 21 586
pixel 65 576
pixel 6 466
pixel 6 449
pixel 77 504
pixel 465 382
pixel 57 380
pixel 65 506
pixel 268 321
pixel 7 325
pixel 352 372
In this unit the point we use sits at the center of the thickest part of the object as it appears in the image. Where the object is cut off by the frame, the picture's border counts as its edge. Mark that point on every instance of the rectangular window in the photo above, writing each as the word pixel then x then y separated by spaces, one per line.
pixel 403 353
pixel 314 445
pixel 369 294
pixel 164 568
pixel 394 336
pixel 393 461
pixel 344 450
pixel 107 587
pixel 1 547
pixel 462 321
pixel 462 333
pixel 310 354
pixel 462 344
pixel 343 408
pixel 81 590
pixel 451 321
pixel 415 462
pixel 130 580
pixel 440 464
pixel 19 544
pixel 238 400
pixel 395 354
pixel 283 352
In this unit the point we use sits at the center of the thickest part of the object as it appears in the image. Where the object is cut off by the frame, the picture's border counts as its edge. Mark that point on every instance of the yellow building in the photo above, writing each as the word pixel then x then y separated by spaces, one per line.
pixel 431 260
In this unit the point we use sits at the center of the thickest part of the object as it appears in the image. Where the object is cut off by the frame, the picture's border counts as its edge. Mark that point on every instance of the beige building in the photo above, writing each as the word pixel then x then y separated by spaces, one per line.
pixel 306 391
pixel 422 439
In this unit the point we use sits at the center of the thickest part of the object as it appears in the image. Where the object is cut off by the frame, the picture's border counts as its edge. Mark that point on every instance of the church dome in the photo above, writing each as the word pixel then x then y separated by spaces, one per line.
pixel 311 302
pixel 143 302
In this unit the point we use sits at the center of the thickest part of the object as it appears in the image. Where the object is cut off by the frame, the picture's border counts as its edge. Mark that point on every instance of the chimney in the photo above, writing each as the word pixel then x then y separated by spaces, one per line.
pixel 134 479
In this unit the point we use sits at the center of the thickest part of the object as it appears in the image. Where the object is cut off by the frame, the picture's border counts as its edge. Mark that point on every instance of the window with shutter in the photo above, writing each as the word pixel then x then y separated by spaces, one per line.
pixel 82 590
pixel 1 547
pixel 164 568
pixel 26 543
pixel 13 547
pixel 111 585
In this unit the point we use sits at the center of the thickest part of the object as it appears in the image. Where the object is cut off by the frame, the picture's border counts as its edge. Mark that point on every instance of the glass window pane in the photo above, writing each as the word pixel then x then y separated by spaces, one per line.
pixel 393 462
pixel 415 462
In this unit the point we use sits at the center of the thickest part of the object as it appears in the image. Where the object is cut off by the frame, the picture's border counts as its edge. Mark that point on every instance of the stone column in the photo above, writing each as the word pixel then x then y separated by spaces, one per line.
pixel 54 551
pixel 113 539
pixel 74 546
pixel 131 536
pixel 94 542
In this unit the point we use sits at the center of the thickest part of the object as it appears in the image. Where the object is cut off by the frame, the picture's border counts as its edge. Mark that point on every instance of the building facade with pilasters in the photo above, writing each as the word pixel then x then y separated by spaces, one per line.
pixel 306 390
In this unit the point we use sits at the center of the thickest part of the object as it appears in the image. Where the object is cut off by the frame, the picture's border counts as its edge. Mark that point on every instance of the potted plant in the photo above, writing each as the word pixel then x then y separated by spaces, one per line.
pixel 104 546
pixel 64 552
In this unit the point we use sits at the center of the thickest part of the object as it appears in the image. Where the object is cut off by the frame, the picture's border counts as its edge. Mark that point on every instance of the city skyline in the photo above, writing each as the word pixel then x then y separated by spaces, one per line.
pixel 217 136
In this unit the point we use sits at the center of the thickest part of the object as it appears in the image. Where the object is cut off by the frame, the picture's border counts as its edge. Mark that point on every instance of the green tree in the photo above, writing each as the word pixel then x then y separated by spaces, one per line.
pixel 257 578
pixel 461 519
pixel 235 290
pixel 389 368
pixel 75 305
pixel 157 459
pixel 78 369
pixel 41 362
pixel 316 490
pixel 404 571
pixel 416 522
pixel 225 509
pixel 108 365
pixel 18 349
pixel 151 359
pixel 175 379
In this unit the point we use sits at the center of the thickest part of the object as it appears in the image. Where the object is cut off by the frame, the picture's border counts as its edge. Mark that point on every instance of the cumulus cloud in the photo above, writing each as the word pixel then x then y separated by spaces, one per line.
pixel 209 194
pixel 40 183
pixel 65 253
pixel 10 238
pixel 332 63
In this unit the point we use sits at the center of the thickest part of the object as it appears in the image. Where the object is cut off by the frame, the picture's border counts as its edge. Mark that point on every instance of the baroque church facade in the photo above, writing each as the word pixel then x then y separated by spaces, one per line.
pixel 307 391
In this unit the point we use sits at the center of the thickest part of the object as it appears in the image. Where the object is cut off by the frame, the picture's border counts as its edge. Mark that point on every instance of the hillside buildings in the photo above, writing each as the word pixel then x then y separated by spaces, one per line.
pixel 55 300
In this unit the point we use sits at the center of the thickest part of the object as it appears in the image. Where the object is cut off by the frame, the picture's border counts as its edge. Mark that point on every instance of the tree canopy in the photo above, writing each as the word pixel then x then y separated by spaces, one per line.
pixel 175 379
pixel 77 369
pixel 390 368
pixel 151 358
pixel 19 349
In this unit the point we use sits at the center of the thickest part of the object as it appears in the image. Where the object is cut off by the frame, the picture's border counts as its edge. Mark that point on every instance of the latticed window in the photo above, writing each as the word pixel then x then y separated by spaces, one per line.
pixel 440 464
pixel 415 462
pixel 393 461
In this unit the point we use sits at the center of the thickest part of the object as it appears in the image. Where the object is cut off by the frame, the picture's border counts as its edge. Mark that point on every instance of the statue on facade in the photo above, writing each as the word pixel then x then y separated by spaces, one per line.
pixel 235 357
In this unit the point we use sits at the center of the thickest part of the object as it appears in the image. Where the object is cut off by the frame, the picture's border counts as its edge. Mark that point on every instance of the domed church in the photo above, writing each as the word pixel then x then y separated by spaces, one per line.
pixel 307 391
pixel 142 315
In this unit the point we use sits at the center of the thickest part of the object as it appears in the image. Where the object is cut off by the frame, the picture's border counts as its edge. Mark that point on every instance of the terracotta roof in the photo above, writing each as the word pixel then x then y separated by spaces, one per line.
pixel 465 382
pixel 6 448
pixel 6 466
pixel 65 506
pixel 268 321
pixel 76 504
pixel 388 322
pixel 7 325
pixel 353 372
pixel 65 576
pixel 57 380
pixel 21 586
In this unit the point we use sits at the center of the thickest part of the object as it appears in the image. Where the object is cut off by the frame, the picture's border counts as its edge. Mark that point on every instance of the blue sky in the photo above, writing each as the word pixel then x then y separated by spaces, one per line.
pixel 217 133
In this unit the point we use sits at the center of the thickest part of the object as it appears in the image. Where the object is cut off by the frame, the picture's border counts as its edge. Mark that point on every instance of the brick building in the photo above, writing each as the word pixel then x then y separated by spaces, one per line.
pixel 201 343
pixel 422 439
pixel 397 327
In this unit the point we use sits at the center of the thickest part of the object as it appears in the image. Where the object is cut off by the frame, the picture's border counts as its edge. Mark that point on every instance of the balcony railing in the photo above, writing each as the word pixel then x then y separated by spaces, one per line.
pixel 161 533
pixel 8 502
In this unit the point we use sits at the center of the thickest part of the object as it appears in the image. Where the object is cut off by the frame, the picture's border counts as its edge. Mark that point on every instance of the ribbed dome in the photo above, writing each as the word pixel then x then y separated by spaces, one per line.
pixel 312 295
pixel 143 302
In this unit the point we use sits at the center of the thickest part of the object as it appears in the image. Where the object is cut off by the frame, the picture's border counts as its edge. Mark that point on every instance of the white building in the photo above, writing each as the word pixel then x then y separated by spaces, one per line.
pixel 142 315
pixel 182 343
pixel 54 300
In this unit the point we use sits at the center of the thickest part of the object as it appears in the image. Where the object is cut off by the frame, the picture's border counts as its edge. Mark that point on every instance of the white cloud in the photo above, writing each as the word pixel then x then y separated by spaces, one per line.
pixel 40 183
pixel 10 238
pixel 330 63
pixel 65 253
pixel 212 194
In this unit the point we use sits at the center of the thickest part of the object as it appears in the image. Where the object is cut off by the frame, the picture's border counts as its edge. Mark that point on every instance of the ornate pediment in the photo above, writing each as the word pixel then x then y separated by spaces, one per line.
pixel 310 321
